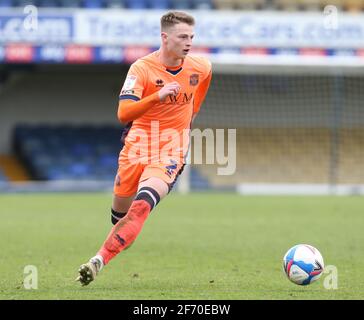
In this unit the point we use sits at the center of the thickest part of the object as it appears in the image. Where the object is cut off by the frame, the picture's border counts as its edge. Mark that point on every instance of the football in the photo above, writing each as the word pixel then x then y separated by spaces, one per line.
pixel 303 264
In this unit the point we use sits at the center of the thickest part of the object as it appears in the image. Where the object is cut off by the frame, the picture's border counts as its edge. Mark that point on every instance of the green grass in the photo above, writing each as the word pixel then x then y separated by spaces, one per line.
pixel 200 246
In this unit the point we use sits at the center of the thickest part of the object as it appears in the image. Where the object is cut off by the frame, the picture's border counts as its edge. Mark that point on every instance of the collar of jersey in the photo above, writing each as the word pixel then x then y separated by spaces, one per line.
pixel 174 71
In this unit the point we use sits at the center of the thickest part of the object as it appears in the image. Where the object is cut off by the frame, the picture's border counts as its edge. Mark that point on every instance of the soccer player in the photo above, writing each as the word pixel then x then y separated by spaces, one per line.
pixel 161 95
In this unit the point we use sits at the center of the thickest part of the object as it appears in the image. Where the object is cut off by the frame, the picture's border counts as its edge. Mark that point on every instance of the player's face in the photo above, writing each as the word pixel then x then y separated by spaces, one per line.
pixel 178 40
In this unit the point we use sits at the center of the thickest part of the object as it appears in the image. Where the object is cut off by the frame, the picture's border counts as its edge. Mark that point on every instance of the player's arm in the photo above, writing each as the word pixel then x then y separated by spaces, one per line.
pixel 131 108
pixel 201 94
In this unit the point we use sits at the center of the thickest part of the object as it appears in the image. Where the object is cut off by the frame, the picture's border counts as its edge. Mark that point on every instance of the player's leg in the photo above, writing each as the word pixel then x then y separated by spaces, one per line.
pixel 123 234
pixel 155 183
pixel 125 188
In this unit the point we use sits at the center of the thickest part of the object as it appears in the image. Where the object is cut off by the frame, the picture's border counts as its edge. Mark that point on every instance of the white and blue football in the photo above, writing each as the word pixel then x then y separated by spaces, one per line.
pixel 303 264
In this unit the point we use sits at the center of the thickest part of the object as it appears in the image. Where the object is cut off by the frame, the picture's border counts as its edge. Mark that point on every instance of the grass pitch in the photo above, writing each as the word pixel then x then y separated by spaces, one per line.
pixel 198 246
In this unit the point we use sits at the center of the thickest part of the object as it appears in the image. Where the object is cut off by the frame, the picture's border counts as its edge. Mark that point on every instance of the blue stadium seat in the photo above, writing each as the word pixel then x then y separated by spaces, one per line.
pixel 181 4
pixel 136 4
pixel 108 160
pixel 202 4
pixel 115 3
pixel 198 181
pixel 68 152
pixel 93 4
pixel 23 3
pixel 3 177
pixel 48 3
pixel 159 4
pixel 80 169
pixel 70 3
pixel 58 173
pixel 81 149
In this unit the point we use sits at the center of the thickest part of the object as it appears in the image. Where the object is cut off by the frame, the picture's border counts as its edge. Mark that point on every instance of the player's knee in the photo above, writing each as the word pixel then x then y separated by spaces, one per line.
pixel 116 216
pixel 157 184
pixel 149 195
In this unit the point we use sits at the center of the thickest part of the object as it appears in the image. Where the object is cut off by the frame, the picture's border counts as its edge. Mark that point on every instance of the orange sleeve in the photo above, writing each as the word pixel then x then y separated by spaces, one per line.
pixel 130 110
pixel 135 82
pixel 201 93
pixel 132 104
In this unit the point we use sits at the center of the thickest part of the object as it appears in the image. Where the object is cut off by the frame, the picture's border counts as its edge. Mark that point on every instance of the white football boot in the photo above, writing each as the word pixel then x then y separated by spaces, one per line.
pixel 88 271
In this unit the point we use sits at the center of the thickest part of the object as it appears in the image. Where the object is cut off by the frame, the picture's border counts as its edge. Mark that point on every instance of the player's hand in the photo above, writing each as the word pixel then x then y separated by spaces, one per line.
pixel 170 88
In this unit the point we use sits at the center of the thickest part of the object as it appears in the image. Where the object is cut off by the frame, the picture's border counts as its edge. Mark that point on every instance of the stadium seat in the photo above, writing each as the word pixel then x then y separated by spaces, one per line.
pixel 181 4
pixel 224 4
pixel 202 4
pixel 70 3
pixel 353 5
pixel 159 4
pixel 3 177
pixel 309 5
pixel 250 4
pixel 337 3
pixel 67 152
pixel 117 4
pixel 23 3
pixel 48 3
pixel 136 4
pixel 286 5
pixel 198 180
pixel 93 4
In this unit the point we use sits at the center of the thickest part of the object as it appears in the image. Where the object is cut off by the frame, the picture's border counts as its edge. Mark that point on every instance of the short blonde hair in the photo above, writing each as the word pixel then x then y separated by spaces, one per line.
pixel 172 18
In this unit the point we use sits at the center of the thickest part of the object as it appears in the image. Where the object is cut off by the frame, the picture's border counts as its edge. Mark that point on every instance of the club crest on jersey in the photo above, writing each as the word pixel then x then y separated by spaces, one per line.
pixel 194 79
pixel 159 83
pixel 129 82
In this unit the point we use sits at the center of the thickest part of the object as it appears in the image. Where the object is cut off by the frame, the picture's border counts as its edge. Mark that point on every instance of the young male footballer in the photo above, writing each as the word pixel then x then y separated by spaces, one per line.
pixel 161 95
